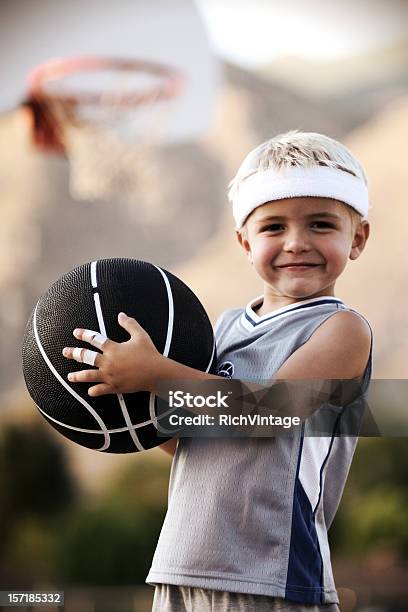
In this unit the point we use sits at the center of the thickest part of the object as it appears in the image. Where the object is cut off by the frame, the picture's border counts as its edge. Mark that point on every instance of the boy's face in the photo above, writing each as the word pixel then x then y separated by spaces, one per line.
pixel 300 246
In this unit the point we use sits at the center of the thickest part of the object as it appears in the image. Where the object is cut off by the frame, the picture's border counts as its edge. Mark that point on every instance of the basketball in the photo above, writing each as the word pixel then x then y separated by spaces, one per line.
pixel 90 297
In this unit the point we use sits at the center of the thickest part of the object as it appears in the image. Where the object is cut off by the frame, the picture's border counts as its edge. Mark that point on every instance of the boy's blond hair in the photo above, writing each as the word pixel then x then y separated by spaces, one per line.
pixel 300 149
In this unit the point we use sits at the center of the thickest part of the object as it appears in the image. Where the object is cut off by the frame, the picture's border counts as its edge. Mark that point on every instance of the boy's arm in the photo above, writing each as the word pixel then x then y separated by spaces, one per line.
pixel 338 349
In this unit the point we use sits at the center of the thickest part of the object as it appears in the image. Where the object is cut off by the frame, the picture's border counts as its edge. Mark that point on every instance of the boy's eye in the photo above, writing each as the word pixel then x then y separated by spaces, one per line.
pixel 322 224
pixel 275 227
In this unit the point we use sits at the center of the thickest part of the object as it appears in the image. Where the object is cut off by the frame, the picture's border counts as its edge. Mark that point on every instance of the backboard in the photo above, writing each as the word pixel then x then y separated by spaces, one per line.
pixel 166 32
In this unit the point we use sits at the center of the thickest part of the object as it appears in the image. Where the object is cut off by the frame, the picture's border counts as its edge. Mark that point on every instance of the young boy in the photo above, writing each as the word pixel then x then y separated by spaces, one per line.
pixel 246 526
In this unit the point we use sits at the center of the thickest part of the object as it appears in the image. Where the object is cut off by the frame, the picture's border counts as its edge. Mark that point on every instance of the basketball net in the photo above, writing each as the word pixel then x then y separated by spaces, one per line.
pixel 110 132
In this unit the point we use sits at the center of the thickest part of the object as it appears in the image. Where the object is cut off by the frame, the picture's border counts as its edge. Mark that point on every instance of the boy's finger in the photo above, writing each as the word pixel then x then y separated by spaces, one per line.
pixel 82 355
pixel 92 337
pixel 98 390
pixel 86 376
pixel 130 324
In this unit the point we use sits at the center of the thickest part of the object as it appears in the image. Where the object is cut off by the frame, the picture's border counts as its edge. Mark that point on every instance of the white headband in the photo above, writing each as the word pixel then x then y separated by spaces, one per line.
pixel 294 182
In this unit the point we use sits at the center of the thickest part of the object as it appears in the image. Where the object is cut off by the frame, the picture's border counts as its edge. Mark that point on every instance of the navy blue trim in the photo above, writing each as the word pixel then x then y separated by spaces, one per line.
pixel 310 305
pixel 304 582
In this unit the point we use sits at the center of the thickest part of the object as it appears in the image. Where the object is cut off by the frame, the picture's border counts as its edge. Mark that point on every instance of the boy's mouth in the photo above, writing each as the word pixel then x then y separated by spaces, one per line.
pixel 299 266
pixel 298 269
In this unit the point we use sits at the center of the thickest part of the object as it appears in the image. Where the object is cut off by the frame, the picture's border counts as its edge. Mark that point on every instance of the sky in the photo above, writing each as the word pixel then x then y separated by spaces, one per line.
pixel 252 33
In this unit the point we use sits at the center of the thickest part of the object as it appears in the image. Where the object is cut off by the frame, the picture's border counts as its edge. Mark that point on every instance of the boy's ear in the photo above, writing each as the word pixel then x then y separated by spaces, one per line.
pixel 361 235
pixel 243 241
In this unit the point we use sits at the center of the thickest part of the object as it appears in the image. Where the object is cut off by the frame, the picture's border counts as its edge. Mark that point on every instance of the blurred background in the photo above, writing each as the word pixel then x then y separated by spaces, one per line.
pixel 85 522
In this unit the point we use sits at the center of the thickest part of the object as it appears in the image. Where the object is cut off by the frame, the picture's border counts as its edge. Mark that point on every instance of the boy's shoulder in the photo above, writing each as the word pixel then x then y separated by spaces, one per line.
pixel 347 327
pixel 339 348
pixel 348 319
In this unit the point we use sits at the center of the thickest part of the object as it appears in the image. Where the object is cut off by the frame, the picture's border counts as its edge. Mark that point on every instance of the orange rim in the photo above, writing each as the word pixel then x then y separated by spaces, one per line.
pixel 46 127
pixel 172 84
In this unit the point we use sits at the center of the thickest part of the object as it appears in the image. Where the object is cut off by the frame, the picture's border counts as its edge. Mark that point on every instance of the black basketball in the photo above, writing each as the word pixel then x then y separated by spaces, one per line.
pixel 90 297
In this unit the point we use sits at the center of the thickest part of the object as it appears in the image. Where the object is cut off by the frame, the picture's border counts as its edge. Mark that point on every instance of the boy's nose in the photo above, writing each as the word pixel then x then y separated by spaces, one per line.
pixel 296 242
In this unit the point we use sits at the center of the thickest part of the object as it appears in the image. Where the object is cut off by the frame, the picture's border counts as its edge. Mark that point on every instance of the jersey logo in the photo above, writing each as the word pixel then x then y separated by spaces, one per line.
pixel 226 369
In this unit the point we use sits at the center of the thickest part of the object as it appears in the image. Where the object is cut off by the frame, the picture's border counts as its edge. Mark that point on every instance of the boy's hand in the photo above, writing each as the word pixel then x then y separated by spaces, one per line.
pixel 122 367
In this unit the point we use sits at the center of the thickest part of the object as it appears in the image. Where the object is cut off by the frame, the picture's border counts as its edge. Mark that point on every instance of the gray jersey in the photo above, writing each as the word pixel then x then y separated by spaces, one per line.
pixel 251 515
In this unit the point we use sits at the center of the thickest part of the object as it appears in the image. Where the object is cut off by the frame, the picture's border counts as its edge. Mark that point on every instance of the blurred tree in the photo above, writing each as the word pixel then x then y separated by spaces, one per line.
pixel 372 512
pixel 105 546
pixel 36 486
pixel 111 541
pixel 34 475
pixel 28 558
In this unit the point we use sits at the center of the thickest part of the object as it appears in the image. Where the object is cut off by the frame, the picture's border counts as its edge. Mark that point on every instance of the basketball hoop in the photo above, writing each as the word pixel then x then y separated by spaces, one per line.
pixel 106 115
